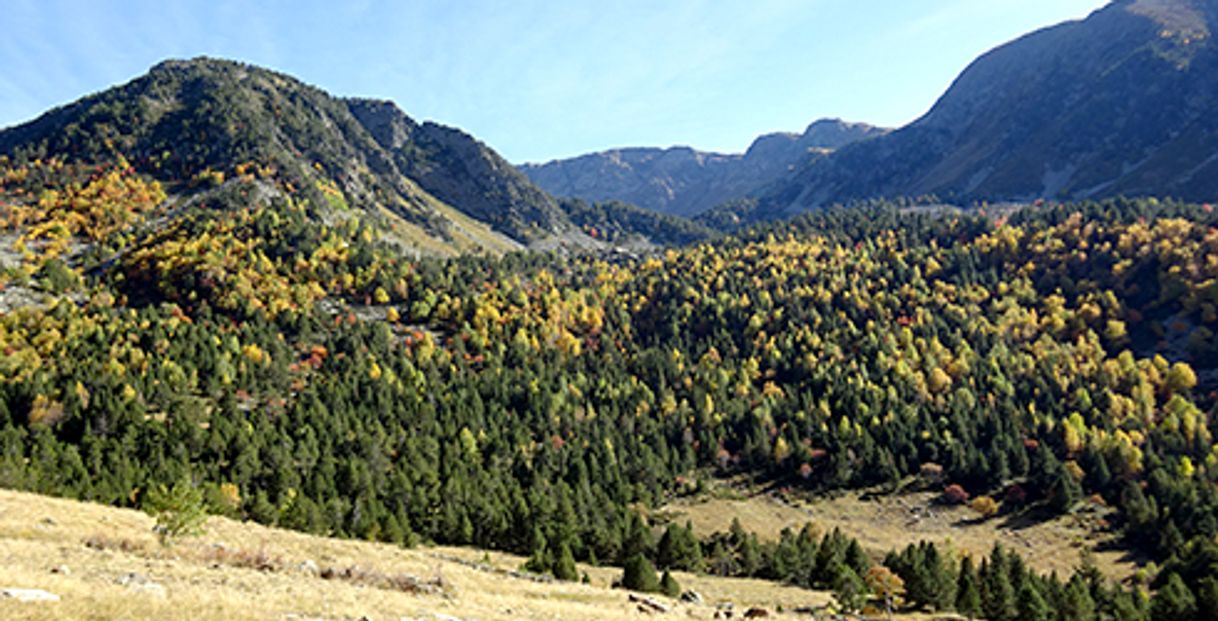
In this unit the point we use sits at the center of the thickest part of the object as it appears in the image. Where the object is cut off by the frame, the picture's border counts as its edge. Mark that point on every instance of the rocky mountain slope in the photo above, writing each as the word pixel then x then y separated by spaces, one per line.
pixel 187 122
pixel 686 182
pixel 462 171
pixel 1120 103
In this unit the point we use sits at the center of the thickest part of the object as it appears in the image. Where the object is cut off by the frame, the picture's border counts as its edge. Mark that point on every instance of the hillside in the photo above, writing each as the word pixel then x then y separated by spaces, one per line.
pixel 222 133
pixel 210 120
pixel 1116 104
pixel 461 171
pixel 1041 363
pixel 685 182
pixel 106 563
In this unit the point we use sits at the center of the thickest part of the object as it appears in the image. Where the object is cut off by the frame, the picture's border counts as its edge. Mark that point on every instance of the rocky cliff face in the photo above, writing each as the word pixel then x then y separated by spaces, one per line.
pixel 462 171
pixel 686 182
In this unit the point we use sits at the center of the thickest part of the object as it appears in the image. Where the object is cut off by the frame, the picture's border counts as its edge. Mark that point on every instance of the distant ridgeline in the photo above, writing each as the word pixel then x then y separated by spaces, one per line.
pixel 1118 104
pixel 1114 105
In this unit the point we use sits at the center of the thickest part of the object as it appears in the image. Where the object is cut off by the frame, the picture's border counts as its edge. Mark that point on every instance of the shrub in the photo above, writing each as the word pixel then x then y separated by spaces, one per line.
pixel 985 506
pixel 954 494
pixel 178 510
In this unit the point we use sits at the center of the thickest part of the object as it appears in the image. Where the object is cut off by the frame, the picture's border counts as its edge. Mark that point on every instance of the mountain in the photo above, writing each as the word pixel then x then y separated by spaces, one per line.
pixel 460 170
pixel 686 182
pixel 619 223
pixel 184 120
pixel 1120 103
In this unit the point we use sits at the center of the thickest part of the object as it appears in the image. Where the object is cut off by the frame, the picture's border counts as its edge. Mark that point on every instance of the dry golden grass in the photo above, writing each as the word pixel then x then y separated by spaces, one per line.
pixel 245 571
pixel 889 522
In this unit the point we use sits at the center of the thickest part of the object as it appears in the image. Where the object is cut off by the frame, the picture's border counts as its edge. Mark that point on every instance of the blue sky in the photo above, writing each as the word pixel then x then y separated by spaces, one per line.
pixel 539 80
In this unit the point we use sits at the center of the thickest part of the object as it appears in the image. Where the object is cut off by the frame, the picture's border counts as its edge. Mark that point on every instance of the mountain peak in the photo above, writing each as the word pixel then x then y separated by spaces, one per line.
pixel 387 123
pixel 1116 104
pixel 201 116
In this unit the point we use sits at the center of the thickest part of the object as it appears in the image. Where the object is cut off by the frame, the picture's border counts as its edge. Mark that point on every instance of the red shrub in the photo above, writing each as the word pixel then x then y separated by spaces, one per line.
pixel 954 495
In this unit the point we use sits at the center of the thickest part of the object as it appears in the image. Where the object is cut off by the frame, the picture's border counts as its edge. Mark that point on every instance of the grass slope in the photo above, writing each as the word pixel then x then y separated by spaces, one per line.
pixel 892 522
pixel 82 552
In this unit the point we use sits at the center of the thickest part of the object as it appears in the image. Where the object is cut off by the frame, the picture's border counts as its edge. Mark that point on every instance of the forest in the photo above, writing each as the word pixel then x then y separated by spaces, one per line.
pixel 281 355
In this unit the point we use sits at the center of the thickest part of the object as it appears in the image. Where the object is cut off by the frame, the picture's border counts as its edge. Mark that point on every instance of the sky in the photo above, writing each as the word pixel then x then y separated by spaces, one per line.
pixel 539 80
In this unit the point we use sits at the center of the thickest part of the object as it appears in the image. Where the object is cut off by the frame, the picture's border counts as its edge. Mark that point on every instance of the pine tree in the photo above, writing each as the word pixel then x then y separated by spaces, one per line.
pixel 1173 602
pixel 968 595
pixel 849 590
pixel 1032 606
pixel 997 595
pixel 539 558
pixel 667 552
pixel 1207 599
pixel 856 558
pixel 1128 606
pixel 1077 602
pixel 638 574
pixel 179 510
pixel 828 555
pixel 669 585
pixel 750 556
pixel 564 564
pixel 637 541
pixel 1064 492
pixel 942 586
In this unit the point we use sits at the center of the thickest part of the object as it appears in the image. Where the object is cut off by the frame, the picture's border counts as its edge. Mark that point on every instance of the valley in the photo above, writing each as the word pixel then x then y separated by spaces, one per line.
pixel 271 352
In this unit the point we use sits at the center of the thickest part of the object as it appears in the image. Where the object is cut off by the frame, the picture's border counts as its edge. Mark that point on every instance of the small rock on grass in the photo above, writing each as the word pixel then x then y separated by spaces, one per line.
pixel 28 595
pixel 140 582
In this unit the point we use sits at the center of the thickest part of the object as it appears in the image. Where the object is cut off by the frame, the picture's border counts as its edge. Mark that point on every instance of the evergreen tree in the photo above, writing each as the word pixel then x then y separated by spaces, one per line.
pixel 856 558
pixel 721 561
pixel 750 556
pixel 941 584
pixel 1064 492
pixel 828 556
pixel 667 552
pixel 638 574
pixel 1173 602
pixel 637 541
pixel 564 567
pixel 1128 606
pixel 179 510
pixel 968 595
pixel 669 585
pixel 997 595
pixel 1032 606
pixel 849 590
pixel 539 561
pixel 1077 602
pixel 1207 599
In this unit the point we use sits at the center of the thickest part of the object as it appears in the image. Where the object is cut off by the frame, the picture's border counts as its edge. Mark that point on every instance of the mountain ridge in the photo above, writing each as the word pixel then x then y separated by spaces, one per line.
pixel 1109 105
pixel 185 120
pixel 683 181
